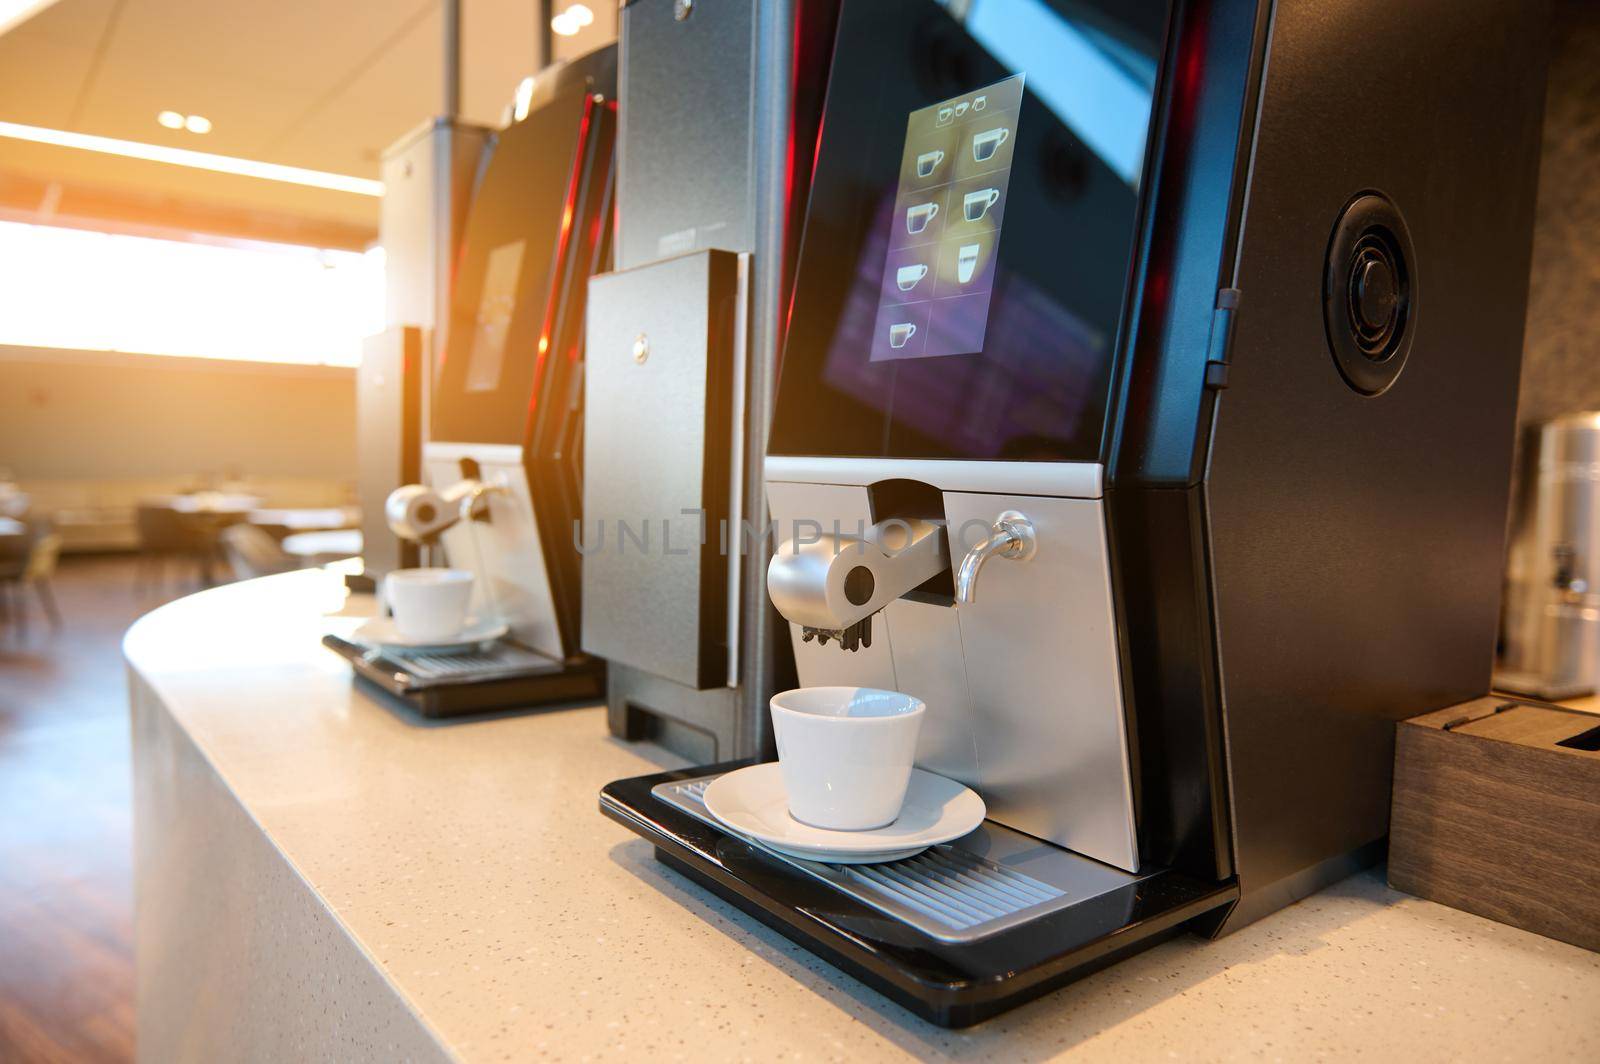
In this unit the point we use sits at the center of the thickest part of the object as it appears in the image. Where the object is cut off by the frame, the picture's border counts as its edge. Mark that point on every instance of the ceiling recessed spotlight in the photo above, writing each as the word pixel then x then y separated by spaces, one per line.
pixel 573 19
pixel 197 124
pixel 170 119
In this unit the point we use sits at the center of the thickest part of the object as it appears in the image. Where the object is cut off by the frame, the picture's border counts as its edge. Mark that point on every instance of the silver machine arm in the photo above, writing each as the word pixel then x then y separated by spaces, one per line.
pixel 832 585
pixel 421 514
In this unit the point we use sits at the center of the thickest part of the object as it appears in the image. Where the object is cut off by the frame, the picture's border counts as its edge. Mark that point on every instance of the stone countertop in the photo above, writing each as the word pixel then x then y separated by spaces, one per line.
pixel 470 863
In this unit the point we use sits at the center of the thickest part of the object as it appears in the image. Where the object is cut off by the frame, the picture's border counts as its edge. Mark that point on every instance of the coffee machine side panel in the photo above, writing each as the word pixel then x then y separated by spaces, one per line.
pixel 388 439
pixel 1358 508
pixel 1040 645
pixel 663 348
pixel 685 130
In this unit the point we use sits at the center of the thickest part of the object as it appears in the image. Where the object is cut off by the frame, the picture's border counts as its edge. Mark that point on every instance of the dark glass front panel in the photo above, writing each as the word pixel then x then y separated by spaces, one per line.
pixel 504 279
pixel 965 256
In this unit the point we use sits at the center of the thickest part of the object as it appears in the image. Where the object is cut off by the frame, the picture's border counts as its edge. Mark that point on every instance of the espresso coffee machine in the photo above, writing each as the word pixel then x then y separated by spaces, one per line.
pixel 1550 636
pixel 502 463
pixel 1146 409
pixel 720 104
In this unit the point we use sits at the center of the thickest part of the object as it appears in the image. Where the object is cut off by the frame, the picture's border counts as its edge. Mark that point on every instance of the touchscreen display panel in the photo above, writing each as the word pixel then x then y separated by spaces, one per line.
pixel 493 322
pixel 964 263
pixel 955 170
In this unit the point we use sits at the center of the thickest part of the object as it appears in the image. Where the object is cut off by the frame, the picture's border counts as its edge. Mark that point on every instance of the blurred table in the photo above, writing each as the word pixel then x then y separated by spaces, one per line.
pixel 204 514
pixel 306 519
pixel 215 502
pixel 319 548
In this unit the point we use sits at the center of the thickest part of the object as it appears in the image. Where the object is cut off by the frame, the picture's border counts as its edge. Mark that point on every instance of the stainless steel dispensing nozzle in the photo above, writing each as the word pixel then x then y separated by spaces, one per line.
pixel 832 585
pixel 1011 536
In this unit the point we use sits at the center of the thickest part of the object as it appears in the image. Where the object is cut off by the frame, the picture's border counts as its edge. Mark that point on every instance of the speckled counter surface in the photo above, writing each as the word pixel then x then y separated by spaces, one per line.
pixel 320 878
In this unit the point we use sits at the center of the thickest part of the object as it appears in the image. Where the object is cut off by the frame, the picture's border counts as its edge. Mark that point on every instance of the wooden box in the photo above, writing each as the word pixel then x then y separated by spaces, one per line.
pixel 1497 811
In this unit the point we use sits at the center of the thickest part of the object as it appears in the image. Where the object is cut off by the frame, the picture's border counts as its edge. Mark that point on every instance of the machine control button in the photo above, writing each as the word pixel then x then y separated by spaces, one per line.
pixel 1375 292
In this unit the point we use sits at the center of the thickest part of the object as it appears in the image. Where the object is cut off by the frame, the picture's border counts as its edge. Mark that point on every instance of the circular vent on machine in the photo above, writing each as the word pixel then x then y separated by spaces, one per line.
pixel 1369 293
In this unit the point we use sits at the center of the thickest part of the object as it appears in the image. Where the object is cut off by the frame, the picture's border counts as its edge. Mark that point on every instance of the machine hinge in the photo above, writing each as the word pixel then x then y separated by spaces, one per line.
pixel 1219 348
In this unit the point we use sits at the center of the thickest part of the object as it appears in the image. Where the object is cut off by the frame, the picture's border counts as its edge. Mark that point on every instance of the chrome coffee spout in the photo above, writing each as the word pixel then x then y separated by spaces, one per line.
pixel 1011 536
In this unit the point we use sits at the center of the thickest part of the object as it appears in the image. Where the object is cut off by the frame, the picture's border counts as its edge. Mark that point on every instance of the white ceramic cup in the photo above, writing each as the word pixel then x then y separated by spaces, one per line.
pixel 428 603
pixel 846 754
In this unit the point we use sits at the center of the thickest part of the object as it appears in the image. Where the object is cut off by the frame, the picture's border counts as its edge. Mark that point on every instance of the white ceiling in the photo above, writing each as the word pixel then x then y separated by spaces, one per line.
pixel 326 85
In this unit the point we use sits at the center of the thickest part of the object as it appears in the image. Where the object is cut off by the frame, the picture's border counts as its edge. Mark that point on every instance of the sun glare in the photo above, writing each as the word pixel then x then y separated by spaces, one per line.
pixel 73 288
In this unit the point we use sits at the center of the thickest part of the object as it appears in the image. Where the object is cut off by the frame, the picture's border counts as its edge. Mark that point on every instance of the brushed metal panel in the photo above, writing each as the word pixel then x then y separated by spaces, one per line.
pixel 1041 655
pixel 388 439
pixel 928 663
pixel 428 179
pixel 505 551
pixel 685 132
pixel 1075 480
pixel 656 443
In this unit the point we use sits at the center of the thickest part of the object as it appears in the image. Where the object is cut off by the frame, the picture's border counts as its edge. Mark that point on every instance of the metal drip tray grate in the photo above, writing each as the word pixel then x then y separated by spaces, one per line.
pixel 954 887
pixel 949 892
pixel 459 663
pixel 499 660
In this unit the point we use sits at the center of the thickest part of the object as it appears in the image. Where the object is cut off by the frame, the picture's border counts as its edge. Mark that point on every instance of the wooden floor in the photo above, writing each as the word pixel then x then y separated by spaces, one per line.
pixel 66 904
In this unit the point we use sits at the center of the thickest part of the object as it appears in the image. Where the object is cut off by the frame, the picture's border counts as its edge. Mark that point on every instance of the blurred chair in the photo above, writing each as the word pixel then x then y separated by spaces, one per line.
pixel 252 551
pixel 36 573
pixel 163 536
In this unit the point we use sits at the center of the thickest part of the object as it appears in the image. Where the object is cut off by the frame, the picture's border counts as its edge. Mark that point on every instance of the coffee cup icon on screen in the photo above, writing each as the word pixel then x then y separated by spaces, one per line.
pixel 908 277
pixel 974 205
pixel 966 262
pixel 900 334
pixel 928 162
pixel 945 114
pixel 918 217
pixel 985 144
pixel 961 108
pixel 980 102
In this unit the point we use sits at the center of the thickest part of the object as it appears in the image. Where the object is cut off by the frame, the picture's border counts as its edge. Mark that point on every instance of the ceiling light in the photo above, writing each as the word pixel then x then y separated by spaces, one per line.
pixel 170 119
pixel 16 12
pixel 197 124
pixel 581 14
pixel 564 24
pixel 222 164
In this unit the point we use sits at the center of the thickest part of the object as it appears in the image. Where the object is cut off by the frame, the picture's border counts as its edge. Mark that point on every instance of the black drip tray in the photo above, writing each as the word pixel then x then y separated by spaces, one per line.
pixel 501 676
pixel 957 934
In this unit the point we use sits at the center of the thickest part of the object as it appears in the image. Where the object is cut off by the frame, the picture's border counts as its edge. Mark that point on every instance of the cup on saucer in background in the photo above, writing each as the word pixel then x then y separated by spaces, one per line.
pixel 846 754
pixel 428 603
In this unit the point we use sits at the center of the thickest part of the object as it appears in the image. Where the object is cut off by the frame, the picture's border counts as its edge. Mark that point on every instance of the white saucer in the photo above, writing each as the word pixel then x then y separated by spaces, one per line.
pixel 381 632
pixel 752 802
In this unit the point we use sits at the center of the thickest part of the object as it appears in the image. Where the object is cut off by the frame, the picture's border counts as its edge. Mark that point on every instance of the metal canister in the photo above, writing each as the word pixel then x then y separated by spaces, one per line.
pixel 1550 635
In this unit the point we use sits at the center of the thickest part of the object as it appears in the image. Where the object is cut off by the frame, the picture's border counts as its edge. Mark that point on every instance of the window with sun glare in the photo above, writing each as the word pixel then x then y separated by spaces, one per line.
pixel 72 288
